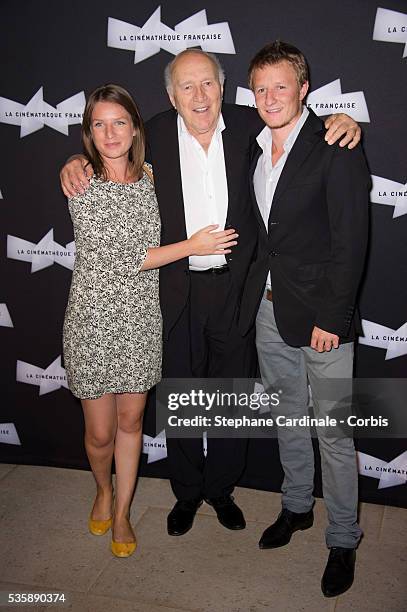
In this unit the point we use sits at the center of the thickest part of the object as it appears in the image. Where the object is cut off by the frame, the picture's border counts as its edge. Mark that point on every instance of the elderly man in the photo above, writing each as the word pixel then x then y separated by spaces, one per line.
pixel 200 156
pixel 312 209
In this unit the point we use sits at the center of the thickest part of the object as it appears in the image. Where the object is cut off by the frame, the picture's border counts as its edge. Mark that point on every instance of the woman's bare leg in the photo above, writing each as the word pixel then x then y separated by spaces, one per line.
pixel 100 430
pixel 130 410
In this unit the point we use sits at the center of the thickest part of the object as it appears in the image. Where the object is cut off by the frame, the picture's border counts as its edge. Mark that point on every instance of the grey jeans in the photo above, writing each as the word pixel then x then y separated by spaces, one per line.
pixel 296 367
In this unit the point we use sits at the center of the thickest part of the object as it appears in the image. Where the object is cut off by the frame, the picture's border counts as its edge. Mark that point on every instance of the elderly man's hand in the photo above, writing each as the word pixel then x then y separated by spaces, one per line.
pixel 342 125
pixel 75 176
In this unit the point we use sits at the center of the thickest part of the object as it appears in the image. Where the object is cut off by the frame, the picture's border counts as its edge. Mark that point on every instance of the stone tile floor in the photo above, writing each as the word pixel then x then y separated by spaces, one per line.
pixel 45 547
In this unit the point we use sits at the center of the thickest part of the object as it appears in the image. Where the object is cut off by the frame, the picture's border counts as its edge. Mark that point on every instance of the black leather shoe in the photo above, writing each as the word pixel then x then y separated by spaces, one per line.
pixel 280 532
pixel 339 572
pixel 181 517
pixel 228 513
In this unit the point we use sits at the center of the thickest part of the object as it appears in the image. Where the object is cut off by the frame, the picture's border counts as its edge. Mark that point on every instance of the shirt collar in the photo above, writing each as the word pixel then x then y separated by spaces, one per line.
pixel 265 139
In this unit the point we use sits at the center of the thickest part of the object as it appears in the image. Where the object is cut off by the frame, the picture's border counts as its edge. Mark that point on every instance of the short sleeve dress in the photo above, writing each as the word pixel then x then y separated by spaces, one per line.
pixel 112 327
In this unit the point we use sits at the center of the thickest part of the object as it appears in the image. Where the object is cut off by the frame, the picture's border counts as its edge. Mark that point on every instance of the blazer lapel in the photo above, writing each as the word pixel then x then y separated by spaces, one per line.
pixel 231 165
pixel 170 163
pixel 256 153
pixel 304 144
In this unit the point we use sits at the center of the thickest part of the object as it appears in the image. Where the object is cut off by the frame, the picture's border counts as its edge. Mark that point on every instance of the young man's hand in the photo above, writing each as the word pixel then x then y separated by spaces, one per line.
pixel 323 341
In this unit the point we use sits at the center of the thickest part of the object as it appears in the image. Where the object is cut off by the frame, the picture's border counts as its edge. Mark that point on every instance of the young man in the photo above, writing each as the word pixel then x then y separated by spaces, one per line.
pixel 311 203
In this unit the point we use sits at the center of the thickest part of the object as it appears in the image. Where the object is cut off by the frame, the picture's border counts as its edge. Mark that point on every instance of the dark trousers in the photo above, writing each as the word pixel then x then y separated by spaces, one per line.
pixel 205 343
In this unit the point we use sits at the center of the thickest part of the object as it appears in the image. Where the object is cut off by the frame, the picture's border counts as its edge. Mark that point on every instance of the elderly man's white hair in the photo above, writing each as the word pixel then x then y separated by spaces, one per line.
pixel 169 69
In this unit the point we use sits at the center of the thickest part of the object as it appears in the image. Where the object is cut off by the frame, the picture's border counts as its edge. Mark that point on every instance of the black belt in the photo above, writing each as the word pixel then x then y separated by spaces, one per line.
pixel 215 270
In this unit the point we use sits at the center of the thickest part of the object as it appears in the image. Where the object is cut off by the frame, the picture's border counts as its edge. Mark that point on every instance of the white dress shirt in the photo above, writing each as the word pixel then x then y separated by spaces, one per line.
pixel 266 176
pixel 204 187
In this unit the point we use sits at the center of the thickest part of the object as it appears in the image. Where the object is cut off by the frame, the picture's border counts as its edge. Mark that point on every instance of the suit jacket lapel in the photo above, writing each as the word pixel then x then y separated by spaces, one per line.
pixel 256 153
pixel 173 184
pixel 305 142
pixel 230 165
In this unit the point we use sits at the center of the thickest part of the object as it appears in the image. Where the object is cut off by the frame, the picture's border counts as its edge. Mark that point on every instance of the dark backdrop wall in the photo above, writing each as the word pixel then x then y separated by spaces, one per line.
pixel 53 55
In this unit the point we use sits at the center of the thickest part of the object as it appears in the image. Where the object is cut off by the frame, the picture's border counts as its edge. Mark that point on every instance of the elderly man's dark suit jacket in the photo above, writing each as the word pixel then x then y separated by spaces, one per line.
pixel 316 240
pixel 242 124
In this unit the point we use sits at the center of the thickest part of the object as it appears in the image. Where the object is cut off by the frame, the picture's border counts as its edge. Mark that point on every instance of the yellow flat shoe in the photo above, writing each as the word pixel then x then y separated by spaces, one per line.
pixel 123 549
pixel 99 528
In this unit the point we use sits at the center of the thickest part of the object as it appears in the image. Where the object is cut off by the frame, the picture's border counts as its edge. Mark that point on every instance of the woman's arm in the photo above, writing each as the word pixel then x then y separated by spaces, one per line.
pixel 204 242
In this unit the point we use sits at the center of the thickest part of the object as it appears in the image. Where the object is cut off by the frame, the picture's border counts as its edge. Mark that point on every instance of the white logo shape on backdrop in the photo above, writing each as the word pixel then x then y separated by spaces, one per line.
pixel 394 341
pixel 1 195
pixel 49 379
pixel 43 254
pixel 155 448
pixel 8 434
pixel 391 26
pixel 323 101
pixel 389 474
pixel 154 35
pixel 245 97
pixel 330 99
pixel 37 113
pixel 385 191
pixel 5 319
